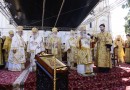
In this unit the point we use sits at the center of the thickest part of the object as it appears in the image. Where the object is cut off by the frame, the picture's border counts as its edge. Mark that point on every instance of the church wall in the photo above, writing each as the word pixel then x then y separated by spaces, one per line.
pixel 5 26
pixel 97 17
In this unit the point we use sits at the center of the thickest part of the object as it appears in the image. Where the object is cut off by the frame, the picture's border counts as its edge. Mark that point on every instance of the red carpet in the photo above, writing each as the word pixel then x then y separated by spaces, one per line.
pixel 7 78
pixel 30 83
pixel 116 79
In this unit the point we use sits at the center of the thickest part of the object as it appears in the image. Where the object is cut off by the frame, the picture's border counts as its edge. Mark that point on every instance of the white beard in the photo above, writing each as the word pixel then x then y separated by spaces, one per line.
pixel 54 35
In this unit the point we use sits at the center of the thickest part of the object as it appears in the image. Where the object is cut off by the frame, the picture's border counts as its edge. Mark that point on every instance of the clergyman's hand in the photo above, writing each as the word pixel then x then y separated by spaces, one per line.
pixel 6 51
pixel 69 50
pixel 14 51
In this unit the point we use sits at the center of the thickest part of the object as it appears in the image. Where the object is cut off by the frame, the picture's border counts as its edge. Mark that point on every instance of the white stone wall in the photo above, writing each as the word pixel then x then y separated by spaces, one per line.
pixel 95 24
pixel 5 27
pixel 97 18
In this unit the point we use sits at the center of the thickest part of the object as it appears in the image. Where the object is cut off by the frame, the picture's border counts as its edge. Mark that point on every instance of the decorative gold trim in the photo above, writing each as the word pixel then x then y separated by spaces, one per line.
pixel 54 82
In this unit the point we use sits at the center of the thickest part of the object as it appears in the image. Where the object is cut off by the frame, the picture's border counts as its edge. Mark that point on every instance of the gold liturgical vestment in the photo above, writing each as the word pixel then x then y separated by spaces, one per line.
pixel 103 54
pixel 84 54
pixel 72 54
pixel 120 51
pixel 7 46
pixel 55 44
pixel 127 51
pixel 1 54
pixel 48 45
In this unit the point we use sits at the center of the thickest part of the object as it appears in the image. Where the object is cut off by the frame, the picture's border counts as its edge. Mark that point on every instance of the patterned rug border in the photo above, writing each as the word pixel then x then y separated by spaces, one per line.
pixel 19 81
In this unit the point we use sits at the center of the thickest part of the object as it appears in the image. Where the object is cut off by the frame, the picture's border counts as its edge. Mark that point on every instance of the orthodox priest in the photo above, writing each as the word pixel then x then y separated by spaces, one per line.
pixel 35 46
pixel 84 52
pixel 16 58
pixel 55 44
pixel 7 46
pixel 1 54
pixel 70 47
pixel 104 43
pixel 127 49
pixel 48 45
pixel 119 45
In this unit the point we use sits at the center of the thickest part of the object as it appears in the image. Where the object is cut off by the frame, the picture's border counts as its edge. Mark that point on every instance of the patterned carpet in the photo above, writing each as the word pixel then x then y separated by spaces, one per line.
pixel 117 79
pixel 7 78
pixel 30 83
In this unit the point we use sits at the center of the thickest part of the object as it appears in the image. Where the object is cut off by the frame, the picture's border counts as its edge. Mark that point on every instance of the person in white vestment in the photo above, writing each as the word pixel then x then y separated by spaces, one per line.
pixel 70 47
pixel 35 46
pixel 17 52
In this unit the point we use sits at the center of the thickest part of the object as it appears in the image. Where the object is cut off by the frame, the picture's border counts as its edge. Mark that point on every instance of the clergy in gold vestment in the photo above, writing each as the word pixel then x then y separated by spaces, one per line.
pixel 127 49
pixel 70 47
pixel 48 46
pixel 103 58
pixel 54 43
pixel 119 44
pixel 84 52
pixel 1 53
pixel 7 46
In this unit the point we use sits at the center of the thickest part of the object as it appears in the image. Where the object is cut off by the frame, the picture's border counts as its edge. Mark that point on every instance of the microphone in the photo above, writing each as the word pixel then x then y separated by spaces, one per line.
pixel 90 35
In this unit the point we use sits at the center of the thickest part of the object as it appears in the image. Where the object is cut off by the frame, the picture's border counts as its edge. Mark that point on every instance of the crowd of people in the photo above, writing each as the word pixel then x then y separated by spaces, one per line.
pixel 80 49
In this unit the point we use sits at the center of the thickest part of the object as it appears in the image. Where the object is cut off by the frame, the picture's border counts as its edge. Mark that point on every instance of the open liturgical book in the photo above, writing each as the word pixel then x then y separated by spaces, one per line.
pixel 49 60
